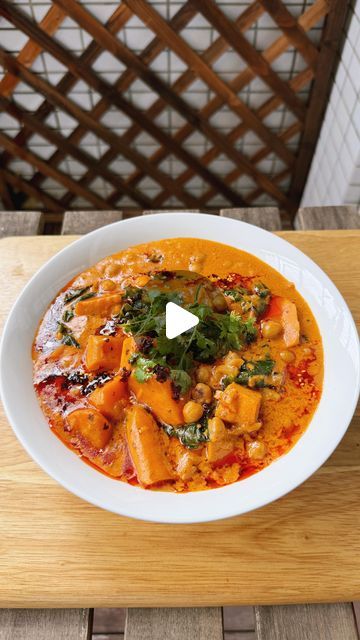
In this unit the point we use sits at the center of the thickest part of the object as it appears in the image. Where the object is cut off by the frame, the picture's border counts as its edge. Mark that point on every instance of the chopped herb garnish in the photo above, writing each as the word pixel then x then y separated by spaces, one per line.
pixel 75 293
pixel 261 290
pixel 70 341
pixel 143 315
pixel 235 294
pixel 85 296
pixel 190 435
pixel 144 369
pixel 259 368
pixel 67 337
pixel 68 315
pixel 181 379
pixel 62 329
pixel 225 381
pixel 253 301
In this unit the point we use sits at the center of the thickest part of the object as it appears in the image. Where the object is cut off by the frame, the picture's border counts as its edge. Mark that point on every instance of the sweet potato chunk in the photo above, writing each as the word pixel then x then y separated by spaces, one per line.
pixel 158 396
pixel 147 453
pixel 91 425
pixel 238 405
pixel 110 399
pixel 99 306
pixel 103 352
pixel 128 348
pixel 285 312
pixel 290 322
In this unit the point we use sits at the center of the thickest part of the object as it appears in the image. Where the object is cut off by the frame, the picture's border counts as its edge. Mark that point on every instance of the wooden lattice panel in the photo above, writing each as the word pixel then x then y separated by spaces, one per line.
pixel 159 104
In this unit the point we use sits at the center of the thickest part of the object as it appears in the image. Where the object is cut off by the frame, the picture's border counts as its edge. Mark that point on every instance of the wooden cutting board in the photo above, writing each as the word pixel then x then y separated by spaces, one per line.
pixel 58 551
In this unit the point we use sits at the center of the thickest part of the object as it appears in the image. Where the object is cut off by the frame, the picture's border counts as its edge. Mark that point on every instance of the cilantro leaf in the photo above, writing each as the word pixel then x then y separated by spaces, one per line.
pixel 235 294
pixel 144 369
pixel 70 341
pixel 181 379
pixel 72 294
pixel 249 369
pixel 190 435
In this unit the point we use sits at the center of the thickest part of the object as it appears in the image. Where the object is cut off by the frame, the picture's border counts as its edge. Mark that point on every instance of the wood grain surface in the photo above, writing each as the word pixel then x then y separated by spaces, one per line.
pixel 82 222
pixel 174 624
pixel 265 217
pixel 58 551
pixel 307 622
pixel 45 624
pixel 20 223
pixel 338 217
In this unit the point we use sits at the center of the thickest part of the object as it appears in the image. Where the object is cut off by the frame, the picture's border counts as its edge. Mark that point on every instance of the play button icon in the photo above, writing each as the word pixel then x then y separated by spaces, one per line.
pixel 178 320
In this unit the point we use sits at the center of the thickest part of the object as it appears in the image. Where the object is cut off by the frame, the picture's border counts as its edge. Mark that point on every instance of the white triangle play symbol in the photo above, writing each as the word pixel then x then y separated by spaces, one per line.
pixel 178 320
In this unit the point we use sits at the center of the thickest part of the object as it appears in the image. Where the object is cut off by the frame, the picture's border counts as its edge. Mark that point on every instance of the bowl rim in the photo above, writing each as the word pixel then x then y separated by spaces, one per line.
pixel 226 507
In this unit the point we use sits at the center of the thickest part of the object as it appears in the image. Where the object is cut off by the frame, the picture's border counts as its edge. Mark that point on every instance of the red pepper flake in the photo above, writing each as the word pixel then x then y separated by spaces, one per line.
pixel 290 432
pixel 300 375
pixel 236 280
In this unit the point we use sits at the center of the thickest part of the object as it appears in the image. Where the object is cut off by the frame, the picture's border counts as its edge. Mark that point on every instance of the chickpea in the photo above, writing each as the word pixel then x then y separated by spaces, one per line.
pixel 192 411
pixel 112 269
pixel 246 427
pixel 271 329
pixel 203 373
pixel 108 285
pixel 202 393
pixel 287 356
pixel 221 372
pixel 256 449
pixel 270 394
pixel 233 359
pixel 277 379
pixel 196 262
pixel 217 429
pixel 219 303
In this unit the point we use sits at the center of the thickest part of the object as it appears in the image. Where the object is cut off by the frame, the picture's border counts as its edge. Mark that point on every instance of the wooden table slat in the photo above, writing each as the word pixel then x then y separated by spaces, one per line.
pixel 239 618
pixel 45 624
pixel 174 624
pixel 81 222
pixel 148 212
pixel 339 217
pixel 236 635
pixel 306 622
pixel 20 223
pixel 266 217
pixel 110 620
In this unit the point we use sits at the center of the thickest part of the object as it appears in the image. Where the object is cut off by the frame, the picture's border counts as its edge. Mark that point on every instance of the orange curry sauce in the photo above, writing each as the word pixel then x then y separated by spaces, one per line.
pixel 242 416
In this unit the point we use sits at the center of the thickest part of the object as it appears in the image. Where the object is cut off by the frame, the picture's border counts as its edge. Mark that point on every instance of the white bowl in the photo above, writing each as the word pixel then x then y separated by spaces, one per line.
pixel 336 407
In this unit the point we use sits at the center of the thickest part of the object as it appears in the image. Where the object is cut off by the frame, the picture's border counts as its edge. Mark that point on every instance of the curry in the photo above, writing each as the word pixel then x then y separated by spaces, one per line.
pixel 205 409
